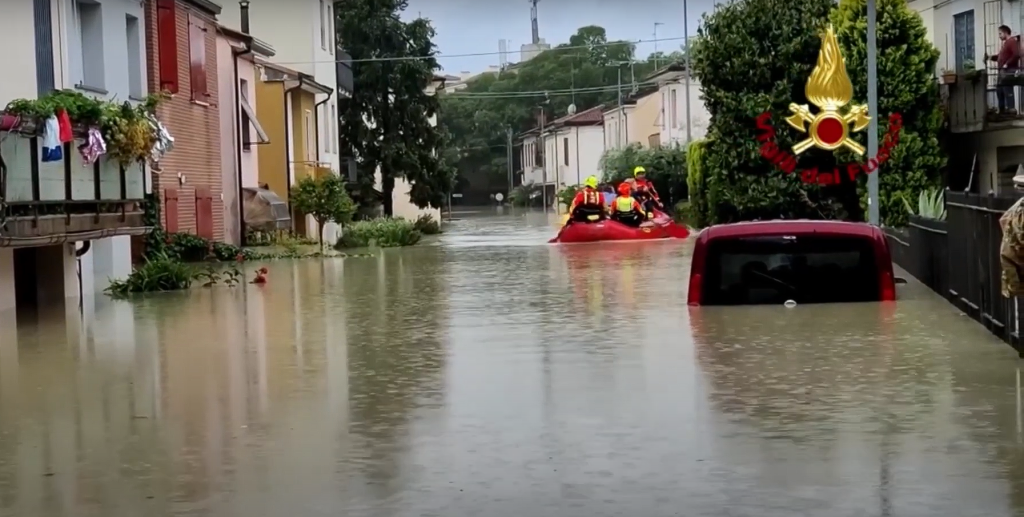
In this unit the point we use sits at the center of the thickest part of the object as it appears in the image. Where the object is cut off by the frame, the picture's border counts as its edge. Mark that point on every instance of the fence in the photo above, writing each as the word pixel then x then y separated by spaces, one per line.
pixel 959 259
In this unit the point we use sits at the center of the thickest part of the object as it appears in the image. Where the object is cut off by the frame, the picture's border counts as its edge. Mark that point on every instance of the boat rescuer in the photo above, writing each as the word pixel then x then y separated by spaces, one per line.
pixel 588 205
pixel 626 209
pixel 645 192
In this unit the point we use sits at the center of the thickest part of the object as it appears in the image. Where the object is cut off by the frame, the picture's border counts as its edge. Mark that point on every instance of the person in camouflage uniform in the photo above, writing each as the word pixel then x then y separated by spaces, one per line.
pixel 1011 249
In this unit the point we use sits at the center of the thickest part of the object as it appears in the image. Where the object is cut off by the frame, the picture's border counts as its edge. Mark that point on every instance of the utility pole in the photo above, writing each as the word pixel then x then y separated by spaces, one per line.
pixel 874 216
pixel 508 195
pixel 543 160
pixel 686 49
pixel 656 24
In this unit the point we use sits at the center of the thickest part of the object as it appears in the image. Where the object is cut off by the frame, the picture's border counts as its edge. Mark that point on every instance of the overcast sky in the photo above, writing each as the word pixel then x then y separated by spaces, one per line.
pixel 475 26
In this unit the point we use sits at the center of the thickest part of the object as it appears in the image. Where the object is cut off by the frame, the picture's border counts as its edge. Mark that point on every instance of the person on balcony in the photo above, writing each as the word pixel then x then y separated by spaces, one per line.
pixel 1008 65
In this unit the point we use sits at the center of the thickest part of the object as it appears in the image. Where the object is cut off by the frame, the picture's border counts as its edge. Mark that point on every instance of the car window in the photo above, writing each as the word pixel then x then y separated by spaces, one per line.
pixel 807 269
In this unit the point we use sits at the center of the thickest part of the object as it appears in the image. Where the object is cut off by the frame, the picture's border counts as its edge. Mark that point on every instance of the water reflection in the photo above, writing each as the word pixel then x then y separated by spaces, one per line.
pixel 465 377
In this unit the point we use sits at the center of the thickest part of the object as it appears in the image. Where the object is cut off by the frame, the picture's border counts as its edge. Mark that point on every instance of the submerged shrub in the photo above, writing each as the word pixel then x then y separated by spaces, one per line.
pixel 426 225
pixel 384 232
pixel 159 273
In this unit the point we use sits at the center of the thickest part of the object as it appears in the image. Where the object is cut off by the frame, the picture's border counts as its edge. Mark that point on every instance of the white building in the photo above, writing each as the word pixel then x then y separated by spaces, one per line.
pixel 97 48
pixel 617 123
pixel 674 118
pixel 990 145
pixel 573 146
pixel 530 158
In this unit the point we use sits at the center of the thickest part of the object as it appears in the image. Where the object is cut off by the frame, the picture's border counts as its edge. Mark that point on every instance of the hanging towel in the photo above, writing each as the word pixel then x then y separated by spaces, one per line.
pixel 94 146
pixel 52 148
pixel 65 127
pixel 164 141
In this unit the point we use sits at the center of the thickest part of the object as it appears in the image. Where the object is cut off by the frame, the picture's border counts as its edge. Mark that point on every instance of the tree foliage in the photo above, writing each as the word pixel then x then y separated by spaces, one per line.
pixel 480 116
pixel 756 55
pixel 387 123
pixel 323 198
pixel 664 166
pixel 906 85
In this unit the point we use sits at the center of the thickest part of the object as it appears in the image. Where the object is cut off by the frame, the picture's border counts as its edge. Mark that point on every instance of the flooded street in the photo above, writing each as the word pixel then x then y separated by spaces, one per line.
pixel 488 373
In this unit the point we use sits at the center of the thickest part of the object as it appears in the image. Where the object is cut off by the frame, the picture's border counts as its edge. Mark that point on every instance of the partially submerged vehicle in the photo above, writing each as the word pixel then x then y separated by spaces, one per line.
pixel 802 261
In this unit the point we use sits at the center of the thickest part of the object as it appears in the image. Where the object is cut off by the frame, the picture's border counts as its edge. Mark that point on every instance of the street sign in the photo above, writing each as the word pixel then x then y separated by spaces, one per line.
pixel 456 195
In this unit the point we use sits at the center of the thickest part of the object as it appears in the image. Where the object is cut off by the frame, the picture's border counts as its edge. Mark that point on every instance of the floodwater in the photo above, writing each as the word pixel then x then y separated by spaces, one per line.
pixel 488 373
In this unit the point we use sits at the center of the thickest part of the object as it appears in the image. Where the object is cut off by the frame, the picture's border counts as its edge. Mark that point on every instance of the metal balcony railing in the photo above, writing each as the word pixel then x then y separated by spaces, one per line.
pixel 973 100
pixel 65 200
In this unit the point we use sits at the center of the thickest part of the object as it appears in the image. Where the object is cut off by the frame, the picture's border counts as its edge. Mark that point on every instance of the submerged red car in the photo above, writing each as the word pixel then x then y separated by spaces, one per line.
pixel 772 262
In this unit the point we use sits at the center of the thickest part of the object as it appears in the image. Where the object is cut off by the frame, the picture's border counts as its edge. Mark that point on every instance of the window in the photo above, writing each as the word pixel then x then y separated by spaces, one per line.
pixel 197 58
pixel 330 29
pixel 963 39
pixel 167 45
pixel 334 126
pixel 770 270
pixel 310 136
pixel 89 17
pixel 675 109
pixel 134 40
pixel 565 150
pixel 246 129
pixel 44 46
pixel 323 24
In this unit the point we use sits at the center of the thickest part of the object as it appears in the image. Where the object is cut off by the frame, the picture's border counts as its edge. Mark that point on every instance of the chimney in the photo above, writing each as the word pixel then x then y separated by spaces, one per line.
pixel 243 11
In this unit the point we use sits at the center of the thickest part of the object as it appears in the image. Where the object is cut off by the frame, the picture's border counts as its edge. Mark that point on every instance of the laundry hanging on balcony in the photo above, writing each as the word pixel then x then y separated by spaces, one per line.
pixel 1011 250
pixel 164 142
pixel 53 151
pixel 94 146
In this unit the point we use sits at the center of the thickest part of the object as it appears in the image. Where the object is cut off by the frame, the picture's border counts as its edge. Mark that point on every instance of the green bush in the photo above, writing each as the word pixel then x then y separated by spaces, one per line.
pixel 566 195
pixel 697 208
pixel 384 232
pixel 187 247
pixel 664 166
pixel 159 273
pixel 525 195
pixel 426 225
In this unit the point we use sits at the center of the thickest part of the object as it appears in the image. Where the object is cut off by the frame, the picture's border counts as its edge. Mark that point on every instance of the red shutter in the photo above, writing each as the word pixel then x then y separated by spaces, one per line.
pixel 171 210
pixel 167 45
pixel 197 58
pixel 204 213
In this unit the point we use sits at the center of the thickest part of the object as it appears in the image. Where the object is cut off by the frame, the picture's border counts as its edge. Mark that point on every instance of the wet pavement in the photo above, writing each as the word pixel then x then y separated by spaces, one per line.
pixel 488 373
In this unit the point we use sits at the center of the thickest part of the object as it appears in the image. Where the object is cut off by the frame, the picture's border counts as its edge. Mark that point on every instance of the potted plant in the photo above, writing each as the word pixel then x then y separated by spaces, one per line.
pixel 970 72
pixel 948 76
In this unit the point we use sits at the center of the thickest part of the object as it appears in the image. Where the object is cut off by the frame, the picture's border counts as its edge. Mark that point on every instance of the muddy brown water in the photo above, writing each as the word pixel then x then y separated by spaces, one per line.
pixel 487 373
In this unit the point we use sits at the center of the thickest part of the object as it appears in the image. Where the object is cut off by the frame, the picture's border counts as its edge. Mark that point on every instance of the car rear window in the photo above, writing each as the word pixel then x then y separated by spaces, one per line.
pixel 806 269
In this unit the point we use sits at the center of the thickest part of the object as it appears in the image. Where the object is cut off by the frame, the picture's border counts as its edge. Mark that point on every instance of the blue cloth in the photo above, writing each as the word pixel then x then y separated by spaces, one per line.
pixel 609 198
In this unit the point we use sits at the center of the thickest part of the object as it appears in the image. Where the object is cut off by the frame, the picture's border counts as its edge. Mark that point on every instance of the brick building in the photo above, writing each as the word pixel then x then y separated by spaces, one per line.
pixel 181 47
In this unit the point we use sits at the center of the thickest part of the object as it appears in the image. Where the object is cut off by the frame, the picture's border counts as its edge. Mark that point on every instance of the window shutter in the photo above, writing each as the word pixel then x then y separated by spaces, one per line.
pixel 197 59
pixel 44 47
pixel 167 45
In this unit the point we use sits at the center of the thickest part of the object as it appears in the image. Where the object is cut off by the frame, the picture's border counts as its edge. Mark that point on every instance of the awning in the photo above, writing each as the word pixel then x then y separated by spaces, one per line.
pixel 261 135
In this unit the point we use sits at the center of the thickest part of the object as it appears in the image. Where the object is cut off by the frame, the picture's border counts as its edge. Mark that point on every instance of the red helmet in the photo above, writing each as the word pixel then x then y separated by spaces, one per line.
pixel 624 189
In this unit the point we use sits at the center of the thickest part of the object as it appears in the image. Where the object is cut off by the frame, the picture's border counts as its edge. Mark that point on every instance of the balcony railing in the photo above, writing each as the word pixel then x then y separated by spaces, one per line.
pixel 63 201
pixel 973 101
pixel 344 69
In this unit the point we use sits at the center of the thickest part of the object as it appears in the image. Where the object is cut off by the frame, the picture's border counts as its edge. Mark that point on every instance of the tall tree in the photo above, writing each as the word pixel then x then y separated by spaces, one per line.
pixel 387 123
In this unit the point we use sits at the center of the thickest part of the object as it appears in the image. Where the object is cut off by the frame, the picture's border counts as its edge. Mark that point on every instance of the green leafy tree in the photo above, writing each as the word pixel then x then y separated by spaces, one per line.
pixel 906 85
pixel 754 56
pixel 325 199
pixel 664 166
pixel 479 117
pixel 387 123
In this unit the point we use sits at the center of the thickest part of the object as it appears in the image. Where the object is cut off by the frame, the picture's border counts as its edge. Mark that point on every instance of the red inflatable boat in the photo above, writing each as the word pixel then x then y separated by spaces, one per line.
pixel 661 226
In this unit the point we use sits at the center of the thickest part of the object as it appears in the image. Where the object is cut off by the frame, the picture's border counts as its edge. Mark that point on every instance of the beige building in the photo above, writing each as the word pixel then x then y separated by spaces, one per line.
pixel 637 121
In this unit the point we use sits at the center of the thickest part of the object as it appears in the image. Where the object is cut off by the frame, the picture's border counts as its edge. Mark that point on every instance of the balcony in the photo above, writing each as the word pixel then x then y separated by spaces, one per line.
pixel 973 105
pixel 44 203
pixel 345 77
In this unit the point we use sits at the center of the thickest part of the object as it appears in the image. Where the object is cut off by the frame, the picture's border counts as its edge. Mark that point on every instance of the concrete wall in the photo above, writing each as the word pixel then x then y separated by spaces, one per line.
pixel 229 141
pixel 617 127
pixel 645 120
pixel 673 131
pixel 7 299
pixel 16 24
pixel 273 157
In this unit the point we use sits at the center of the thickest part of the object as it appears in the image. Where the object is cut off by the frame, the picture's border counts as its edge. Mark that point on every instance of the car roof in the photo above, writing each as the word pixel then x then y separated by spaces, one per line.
pixel 790 227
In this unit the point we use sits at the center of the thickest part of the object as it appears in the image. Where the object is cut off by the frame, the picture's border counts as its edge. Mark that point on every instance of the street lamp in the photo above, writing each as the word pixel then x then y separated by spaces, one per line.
pixel 874 216
pixel 544 155
pixel 686 50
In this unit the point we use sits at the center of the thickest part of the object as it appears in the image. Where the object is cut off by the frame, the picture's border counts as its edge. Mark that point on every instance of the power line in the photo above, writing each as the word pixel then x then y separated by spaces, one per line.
pixel 475 54
pixel 545 93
